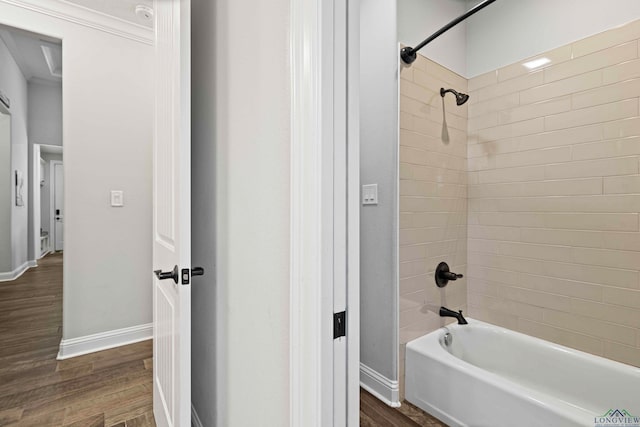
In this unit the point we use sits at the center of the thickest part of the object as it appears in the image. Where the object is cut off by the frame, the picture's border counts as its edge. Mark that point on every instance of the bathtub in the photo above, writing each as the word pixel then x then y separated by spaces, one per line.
pixel 491 376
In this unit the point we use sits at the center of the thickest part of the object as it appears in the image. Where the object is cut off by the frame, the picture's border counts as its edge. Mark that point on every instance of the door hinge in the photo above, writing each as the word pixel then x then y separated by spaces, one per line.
pixel 339 324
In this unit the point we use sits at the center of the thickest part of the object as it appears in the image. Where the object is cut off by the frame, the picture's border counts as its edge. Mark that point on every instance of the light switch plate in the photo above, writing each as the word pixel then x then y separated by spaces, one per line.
pixel 117 198
pixel 370 194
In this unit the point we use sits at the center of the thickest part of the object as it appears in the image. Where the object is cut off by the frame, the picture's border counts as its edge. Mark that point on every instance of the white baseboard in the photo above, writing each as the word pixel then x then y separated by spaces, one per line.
pixel 103 341
pixel 195 419
pixel 13 275
pixel 380 386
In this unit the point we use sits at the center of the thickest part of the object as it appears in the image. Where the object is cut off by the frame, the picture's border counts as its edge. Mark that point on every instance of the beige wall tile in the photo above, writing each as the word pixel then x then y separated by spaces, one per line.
pixel 496 104
pixel 599 113
pixel 511 130
pixel 569 288
pixel 553 212
pixel 594 61
pixel 625 297
pixel 622 184
pixel 606 312
pixel 570 221
pixel 538 109
pixel 619 72
pixel 433 196
pixel 622 128
pixel 610 148
pixel 593 327
pixel 606 94
pixel 554 57
pixel 483 80
pixel 576 340
pixel 510 86
pixel 622 353
pixel 562 87
pixel 589 168
pixel 607 39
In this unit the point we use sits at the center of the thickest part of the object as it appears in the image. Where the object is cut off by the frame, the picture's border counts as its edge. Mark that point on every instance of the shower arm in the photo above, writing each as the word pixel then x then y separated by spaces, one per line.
pixel 408 54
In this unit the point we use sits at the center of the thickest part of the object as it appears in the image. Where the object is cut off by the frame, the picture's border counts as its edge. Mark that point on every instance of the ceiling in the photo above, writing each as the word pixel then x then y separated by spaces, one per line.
pixel 38 56
pixel 123 9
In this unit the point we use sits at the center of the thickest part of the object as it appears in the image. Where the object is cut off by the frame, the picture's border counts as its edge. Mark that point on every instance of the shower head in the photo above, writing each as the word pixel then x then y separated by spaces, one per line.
pixel 461 98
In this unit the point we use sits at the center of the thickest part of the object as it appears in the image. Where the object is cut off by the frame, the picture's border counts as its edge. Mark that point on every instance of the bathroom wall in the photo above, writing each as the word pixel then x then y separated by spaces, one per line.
pixel 433 197
pixel 507 31
pixel 379 165
pixel 418 19
pixel 554 196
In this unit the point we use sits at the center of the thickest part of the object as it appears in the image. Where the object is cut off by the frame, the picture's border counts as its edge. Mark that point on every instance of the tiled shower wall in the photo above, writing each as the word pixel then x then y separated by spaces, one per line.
pixel 554 196
pixel 433 197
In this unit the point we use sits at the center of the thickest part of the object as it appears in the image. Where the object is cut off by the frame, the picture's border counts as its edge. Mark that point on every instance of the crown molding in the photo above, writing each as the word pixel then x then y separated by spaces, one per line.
pixel 86 17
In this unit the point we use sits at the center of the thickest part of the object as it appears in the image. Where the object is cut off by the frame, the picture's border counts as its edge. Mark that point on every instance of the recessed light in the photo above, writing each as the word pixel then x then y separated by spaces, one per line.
pixel 537 63
pixel 144 12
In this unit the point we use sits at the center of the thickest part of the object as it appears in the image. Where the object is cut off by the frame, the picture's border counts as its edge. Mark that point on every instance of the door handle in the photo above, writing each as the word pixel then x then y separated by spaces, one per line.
pixel 164 275
pixel 197 271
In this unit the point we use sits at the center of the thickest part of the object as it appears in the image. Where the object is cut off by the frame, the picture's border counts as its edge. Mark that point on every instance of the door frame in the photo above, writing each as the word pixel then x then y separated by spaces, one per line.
pixel 313 68
pixel 52 210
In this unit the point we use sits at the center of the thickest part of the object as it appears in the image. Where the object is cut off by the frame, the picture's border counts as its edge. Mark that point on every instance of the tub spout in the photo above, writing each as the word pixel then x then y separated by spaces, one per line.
pixel 445 312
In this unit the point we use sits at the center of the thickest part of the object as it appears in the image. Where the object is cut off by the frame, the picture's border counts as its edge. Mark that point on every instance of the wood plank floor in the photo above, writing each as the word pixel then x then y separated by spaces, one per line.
pixel 108 388
pixel 374 413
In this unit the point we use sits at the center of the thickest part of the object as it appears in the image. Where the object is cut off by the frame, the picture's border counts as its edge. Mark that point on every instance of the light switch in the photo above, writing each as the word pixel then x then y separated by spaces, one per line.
pixel 117 198
pixel 370 194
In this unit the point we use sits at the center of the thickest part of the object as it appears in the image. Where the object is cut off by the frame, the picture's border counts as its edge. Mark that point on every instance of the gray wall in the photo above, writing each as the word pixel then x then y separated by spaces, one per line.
pixel 418 19
pixel 379 165
pixel 44 122
pixel 204 302
pixel 5 193
pixel 14 85
pixel 108 145
pixel 45 113
pixel 241 189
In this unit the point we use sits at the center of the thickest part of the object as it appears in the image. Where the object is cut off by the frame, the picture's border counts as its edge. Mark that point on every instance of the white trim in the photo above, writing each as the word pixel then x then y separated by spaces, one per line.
pixel 52 204
pixel 90 18
pixel 380 386
pixel 17 272
pixel 353 212
pixel 104 340
pixel 306 379
pixel 195 419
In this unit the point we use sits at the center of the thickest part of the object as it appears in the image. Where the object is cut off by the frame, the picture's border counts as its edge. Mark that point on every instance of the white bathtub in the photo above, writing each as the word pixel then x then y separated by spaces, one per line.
pixel 491 376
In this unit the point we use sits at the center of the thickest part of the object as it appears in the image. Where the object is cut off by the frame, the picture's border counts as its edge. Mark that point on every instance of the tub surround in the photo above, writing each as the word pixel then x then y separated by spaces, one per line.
pixel 554 195
pixel 433 198
pixel 535 199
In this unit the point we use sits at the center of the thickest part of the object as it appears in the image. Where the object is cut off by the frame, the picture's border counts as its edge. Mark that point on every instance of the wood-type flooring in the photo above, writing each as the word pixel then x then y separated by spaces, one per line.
pixel 108 388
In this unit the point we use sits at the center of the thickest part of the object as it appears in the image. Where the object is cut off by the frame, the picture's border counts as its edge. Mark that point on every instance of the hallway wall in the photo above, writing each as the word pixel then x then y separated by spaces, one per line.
pixel 107 127
pixel 14 85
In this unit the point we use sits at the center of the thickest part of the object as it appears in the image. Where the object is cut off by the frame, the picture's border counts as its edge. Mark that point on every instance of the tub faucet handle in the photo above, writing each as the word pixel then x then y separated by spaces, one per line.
pixel 444 275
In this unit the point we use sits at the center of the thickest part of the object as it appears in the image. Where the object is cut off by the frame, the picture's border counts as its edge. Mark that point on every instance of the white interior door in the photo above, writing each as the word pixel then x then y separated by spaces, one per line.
pixel 172 217
pixel 58 205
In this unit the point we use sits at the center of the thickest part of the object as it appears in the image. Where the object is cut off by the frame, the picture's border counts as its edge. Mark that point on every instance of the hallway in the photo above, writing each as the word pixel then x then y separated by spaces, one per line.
pixel 108 388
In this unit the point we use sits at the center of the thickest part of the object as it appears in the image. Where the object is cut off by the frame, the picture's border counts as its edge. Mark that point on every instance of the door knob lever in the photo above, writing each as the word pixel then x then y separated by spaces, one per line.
pixel 164 275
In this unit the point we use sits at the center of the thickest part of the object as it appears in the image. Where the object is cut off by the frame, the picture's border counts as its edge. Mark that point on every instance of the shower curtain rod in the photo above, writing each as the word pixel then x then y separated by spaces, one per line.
pixel 408 54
